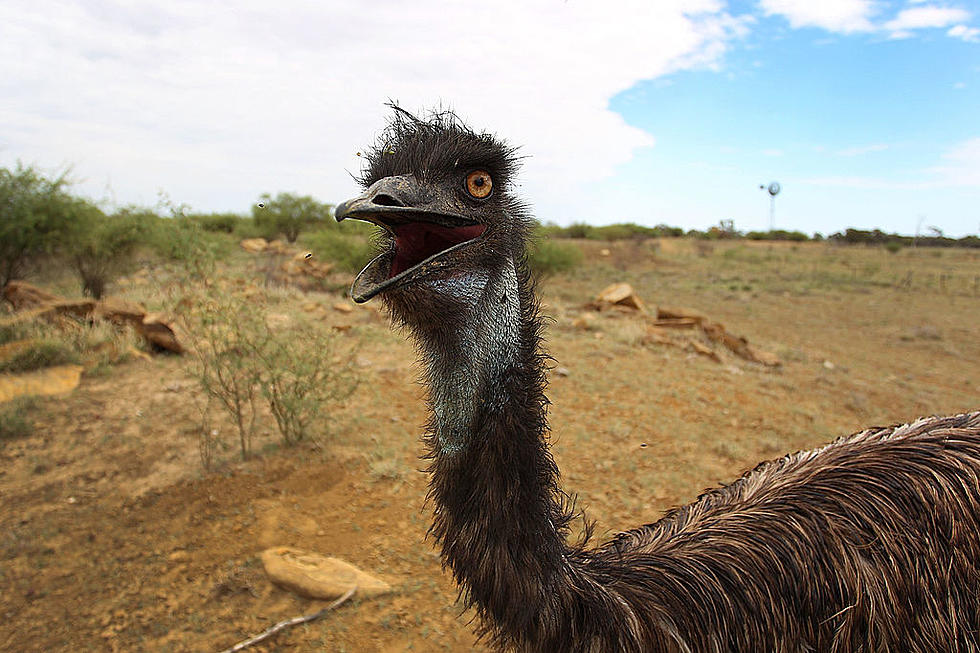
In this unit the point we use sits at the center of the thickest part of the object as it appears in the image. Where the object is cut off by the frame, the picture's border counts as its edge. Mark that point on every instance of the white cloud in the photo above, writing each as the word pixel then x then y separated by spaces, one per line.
pixel 961 166
pixel 862 149
pixel 971 34
pixel 216 105
pixel 848 16
pixel 832 15
pixel 925 17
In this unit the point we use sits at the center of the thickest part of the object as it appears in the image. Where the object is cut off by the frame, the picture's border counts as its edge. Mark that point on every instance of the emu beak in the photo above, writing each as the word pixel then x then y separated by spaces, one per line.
pixel 420 234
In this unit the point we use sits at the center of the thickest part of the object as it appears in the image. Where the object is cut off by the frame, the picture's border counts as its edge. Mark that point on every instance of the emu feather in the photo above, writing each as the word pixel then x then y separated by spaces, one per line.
pixel 869 544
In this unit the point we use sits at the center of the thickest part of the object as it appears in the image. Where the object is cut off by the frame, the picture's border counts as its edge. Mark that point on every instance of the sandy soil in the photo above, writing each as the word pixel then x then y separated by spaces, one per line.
pixel 113 538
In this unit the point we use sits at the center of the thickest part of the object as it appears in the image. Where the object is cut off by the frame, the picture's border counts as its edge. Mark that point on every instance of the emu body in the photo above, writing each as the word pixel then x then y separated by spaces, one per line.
pixel 869 544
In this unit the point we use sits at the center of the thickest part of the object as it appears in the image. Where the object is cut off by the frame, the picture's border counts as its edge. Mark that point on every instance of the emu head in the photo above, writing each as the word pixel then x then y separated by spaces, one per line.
pixel 440 193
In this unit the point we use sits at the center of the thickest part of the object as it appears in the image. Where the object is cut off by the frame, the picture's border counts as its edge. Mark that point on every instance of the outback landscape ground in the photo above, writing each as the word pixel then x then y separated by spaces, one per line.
pixel 114 537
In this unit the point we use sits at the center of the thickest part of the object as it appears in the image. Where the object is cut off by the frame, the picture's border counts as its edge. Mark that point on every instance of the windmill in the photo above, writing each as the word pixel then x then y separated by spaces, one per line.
pixel 773 189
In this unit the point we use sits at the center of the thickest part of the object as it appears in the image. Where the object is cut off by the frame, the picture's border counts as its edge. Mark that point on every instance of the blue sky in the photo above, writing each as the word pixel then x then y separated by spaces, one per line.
pixel 657 112
pixel 855 127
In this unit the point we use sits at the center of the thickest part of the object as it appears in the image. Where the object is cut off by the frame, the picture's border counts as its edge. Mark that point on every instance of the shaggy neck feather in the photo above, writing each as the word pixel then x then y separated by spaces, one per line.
pixel 498 514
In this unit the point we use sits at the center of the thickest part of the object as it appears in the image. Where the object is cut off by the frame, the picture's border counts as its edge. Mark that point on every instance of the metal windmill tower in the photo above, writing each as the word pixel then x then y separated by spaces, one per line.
pixel 773 190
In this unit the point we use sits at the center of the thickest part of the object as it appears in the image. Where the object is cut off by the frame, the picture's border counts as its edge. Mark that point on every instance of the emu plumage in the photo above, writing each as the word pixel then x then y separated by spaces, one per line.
pixel 869 544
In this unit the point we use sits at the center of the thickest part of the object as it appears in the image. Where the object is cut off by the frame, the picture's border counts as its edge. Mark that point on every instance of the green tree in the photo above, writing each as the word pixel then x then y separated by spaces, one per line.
pixel 288 214
pixel 101 247
pixel 35 217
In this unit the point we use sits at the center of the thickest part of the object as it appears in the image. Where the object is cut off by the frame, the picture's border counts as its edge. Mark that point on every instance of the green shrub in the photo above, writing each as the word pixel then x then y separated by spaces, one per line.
pixel 36 213
pixel 217 222
pixel 548 257
pixel 41 353
pixel 288 214
pixel 240 358
pixel 578 230
pixel 11 329
pixel 893 247
pixel 349 248
pixel 249 228
pixel 15 420
pixel 101 247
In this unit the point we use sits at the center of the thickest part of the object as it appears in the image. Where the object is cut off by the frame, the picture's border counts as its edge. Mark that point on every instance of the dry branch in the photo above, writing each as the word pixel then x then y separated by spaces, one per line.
pixel 290 622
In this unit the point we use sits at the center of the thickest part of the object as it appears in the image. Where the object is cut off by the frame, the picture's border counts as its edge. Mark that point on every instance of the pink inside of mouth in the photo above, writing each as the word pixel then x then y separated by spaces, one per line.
pixel 417 241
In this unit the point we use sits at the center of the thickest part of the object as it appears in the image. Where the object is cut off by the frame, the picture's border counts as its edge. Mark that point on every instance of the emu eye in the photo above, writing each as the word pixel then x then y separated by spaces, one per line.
pixel 479 184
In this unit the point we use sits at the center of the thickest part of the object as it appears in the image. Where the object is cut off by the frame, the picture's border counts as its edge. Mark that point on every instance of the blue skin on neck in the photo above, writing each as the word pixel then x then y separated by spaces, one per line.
pixel 484 348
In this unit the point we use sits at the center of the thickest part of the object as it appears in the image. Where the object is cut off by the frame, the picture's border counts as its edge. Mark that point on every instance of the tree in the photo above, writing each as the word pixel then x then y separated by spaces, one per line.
pixel 101 246
pixel 288 214
pixel 35 216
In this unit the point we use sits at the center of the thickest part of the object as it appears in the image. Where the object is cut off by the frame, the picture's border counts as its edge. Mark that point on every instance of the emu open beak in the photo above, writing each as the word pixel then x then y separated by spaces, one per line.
pixel 419 238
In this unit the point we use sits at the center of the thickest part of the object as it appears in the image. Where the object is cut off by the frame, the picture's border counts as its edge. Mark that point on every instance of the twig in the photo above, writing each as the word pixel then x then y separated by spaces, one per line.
pixel 290 622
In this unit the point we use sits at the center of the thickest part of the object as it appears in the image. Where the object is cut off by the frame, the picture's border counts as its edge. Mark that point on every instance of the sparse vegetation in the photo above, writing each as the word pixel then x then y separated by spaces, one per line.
pixel 646 416
pixel 549 257
pixel 35 216
pixel 289 214
pixel 38 354
pixel 349 247
pixel 101 247
pixel 244 353
pixel 15 419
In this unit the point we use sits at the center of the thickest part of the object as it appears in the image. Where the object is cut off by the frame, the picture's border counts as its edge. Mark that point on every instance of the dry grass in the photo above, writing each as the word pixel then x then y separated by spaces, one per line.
pixel 637 428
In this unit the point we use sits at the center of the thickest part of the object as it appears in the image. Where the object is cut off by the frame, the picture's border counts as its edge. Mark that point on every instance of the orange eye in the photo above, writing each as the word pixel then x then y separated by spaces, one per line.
pixel 479 184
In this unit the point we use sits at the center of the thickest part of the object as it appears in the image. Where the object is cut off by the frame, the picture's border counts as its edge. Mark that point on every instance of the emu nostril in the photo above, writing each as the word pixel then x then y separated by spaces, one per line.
pixel 384 199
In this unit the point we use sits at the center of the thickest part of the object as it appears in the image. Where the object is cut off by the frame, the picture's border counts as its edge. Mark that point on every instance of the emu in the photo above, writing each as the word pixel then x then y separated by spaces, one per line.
pixel 870 543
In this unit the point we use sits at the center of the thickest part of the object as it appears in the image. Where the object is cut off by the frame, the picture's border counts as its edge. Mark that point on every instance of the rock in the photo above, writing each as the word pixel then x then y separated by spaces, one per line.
pixel 621 294
pixel 80 308
pixel 604 252
pixel 302 264
pixel 159 332
pixel 678 313
pixel 562 371
pixel 676 323
pixel 277 247
pixel 119 311
pixel 767 358
pixel 254 245
pixel 318 577
pixel 654 335
pixel 704 350
pixel 343 307
pixel 738 345
pixel 23 295
pixel 57 380
pixel 585 322
pixel 179 556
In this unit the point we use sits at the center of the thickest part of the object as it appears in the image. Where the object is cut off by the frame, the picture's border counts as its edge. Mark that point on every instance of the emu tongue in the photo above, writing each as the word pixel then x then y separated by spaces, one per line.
pixel 417 241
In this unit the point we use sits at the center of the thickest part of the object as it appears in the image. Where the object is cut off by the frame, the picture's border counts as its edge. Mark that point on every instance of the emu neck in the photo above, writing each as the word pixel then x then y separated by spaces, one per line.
pixel 494 483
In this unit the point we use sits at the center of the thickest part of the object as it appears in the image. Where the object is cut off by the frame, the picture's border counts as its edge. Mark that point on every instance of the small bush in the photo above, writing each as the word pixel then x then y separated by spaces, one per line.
pixel 217 222
pixel 13 330
pixel 241 359
pixel 289 214
pixel 35 215
pixel 102 247
pixel 893 247
pixel 548 257
pixel 38 354
pixel 15 420
pixel 349 249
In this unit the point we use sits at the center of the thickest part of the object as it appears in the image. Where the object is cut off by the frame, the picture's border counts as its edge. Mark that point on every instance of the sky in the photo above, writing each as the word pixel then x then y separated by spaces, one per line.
pixel 867 112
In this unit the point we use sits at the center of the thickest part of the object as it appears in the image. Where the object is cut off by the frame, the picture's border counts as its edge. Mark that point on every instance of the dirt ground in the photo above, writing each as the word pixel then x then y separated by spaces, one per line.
pixel 113 538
